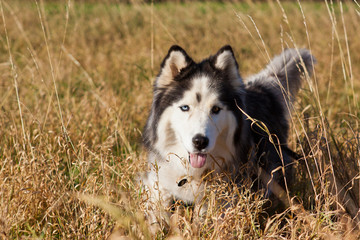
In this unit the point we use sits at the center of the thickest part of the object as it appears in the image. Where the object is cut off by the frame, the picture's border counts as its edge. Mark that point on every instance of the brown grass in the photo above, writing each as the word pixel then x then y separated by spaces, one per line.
pixel 76 86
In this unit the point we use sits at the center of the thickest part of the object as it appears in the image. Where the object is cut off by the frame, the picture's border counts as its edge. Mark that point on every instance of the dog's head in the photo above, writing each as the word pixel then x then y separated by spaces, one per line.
pixel 195 107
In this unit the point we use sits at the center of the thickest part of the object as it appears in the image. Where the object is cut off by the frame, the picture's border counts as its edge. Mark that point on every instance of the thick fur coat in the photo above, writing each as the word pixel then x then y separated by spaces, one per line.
pixel 205 118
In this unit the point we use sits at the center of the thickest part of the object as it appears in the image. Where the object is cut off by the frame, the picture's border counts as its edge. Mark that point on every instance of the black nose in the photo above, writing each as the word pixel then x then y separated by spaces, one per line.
pixel 200 142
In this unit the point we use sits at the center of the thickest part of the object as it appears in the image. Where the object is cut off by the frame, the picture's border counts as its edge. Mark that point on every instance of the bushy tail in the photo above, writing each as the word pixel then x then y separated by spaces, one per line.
pixel 286 68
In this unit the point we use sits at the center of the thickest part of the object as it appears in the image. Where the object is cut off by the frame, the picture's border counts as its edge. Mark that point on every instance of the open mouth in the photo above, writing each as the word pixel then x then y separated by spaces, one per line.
pixel 197 160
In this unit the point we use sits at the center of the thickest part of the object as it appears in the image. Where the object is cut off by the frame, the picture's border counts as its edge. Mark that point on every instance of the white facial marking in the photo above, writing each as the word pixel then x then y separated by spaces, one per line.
pixel 199 112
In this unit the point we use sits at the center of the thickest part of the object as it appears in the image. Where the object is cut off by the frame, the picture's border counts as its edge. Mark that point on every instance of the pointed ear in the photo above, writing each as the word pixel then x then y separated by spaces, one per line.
pixel 225 60
pixel 176 60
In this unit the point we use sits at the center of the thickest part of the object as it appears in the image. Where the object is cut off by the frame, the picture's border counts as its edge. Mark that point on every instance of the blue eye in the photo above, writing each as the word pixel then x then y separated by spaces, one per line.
pixel 185 108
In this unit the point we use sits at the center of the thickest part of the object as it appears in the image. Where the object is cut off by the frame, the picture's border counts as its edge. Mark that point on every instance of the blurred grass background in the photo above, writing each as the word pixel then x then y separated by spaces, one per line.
pixel 76 87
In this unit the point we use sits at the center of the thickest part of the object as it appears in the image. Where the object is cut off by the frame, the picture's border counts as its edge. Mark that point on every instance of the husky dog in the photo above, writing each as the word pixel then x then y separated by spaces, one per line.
pixel 205 118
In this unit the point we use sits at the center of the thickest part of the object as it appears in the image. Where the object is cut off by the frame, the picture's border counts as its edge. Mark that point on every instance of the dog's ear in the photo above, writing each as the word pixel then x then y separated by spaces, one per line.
pixel 176 60
pixel 225 60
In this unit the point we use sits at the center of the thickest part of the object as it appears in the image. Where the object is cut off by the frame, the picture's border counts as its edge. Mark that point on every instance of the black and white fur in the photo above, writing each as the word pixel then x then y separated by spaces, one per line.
pixel 204 118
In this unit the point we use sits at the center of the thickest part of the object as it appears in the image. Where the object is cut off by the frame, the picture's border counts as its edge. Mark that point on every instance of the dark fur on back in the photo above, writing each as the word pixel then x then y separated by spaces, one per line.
pixel 269 96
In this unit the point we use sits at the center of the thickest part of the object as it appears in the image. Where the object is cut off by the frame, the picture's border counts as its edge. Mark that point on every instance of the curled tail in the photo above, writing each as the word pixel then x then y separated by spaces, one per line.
pixel 286 69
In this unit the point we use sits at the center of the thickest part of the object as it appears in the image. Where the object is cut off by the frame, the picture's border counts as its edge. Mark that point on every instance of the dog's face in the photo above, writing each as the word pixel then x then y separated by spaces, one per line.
pixel 197 104
pixel 198 118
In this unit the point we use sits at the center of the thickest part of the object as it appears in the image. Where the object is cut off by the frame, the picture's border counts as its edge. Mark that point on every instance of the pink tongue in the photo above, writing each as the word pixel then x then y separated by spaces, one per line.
pixel 197 160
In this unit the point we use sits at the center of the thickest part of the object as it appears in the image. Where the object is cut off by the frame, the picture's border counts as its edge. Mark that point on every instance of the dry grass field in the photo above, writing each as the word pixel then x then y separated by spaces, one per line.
pixel 76 87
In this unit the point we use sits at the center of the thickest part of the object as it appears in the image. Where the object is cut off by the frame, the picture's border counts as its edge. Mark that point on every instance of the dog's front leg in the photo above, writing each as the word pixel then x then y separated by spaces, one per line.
pixel 157 202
